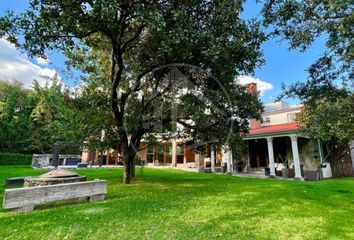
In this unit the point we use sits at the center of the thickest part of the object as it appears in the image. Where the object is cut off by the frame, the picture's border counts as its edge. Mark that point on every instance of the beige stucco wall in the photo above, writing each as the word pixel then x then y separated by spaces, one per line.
pixel 85 156
pixel 142 153
pixel 279 118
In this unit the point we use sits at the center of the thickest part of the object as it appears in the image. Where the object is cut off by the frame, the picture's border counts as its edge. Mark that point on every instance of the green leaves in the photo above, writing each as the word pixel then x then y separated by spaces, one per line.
pixel 126 50
pixel 301 22
pixel 330 120
pixel 328 105
pixel 31 121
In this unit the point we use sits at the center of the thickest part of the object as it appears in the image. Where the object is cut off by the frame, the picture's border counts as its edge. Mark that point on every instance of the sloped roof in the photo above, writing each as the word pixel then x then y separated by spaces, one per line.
pixel 278 128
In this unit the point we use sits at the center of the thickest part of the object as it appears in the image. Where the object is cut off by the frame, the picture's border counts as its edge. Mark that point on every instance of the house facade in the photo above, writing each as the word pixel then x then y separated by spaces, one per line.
pixel 275 147
pixel 277 143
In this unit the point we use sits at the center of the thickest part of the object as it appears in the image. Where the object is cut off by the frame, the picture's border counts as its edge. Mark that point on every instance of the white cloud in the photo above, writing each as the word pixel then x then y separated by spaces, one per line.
pixel 261 85
pixel 42 61
pixel 17 66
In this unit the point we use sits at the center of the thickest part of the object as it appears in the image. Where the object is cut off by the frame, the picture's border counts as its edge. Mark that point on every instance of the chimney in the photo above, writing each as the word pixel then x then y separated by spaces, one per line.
pixel 252 88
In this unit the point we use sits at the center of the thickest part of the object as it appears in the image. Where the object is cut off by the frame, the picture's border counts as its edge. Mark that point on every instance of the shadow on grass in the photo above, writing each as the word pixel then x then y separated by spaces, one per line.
pixel 171 204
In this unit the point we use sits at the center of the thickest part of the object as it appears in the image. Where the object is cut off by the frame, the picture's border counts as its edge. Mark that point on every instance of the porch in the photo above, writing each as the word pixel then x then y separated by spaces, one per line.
pixel 283 151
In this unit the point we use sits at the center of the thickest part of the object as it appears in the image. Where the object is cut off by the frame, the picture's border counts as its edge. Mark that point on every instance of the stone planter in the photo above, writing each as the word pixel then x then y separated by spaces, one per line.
pixel 15 182
pixel 59 176
pixel 25 199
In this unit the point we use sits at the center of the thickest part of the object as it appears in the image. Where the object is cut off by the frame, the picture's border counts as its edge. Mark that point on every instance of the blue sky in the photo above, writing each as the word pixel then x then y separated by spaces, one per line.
pixel 281 64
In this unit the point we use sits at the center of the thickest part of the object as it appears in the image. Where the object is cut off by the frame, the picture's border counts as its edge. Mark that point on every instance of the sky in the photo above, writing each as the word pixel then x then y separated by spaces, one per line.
pixel 281 65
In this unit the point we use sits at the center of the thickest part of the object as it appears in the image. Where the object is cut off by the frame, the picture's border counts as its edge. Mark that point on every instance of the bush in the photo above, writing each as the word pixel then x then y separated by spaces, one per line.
pixel 15 159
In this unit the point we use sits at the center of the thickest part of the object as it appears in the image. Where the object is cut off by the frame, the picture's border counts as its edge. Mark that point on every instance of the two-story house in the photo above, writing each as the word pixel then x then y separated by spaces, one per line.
pixel 274 144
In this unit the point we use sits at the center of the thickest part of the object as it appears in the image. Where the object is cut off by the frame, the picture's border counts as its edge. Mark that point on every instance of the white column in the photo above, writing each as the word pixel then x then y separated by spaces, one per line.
pixel 248 164
pixel 229 160
pixel 174 153
pixel 271 156
pixel 351 148
pixel 320 150
pixel 199 162
pixel 212 158
pixel 296 157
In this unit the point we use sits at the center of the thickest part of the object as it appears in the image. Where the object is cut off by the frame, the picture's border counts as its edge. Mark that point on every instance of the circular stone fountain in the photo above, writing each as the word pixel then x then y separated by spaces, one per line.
pixel 54 177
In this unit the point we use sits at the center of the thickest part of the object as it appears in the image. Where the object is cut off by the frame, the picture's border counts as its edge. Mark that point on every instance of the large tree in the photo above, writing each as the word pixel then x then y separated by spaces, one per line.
pixel 327 94
pixel 33 119
pixel 301 22
pixel 328 112
pixel 16 104
pixel 142 40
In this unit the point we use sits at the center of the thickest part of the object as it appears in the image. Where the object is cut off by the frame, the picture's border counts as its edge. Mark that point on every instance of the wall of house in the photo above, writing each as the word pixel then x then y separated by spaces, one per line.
pixel 278 118
pixel 308 152
pixel 344 167
pixel 89 155
pixel 142 153
pixel 351 149
pixel 189 155
pixel 272 106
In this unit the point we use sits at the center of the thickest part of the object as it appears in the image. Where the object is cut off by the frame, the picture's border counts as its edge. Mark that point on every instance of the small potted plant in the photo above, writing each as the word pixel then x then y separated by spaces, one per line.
pixel 240 165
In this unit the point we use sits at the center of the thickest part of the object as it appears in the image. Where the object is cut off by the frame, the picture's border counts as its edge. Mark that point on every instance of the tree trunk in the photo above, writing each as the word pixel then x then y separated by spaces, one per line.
pixel 129 170
pixel 132 167
pixel 127 173
pixel 129 166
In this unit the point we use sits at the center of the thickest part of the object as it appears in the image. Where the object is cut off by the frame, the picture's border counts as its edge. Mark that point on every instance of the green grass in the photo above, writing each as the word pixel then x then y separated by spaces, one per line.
pixel 172 204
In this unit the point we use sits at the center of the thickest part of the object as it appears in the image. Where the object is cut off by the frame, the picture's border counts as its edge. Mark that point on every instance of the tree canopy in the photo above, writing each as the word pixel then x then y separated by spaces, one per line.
pixel 32 120
pixel 140 44
pixel 327 94
pixel 328 111
pixel 301 22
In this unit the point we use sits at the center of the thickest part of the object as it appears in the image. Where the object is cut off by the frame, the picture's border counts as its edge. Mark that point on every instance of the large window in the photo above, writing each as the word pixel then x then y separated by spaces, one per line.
pixel 168 153
pixel 180 153
pixel 150 154
pixel 159 152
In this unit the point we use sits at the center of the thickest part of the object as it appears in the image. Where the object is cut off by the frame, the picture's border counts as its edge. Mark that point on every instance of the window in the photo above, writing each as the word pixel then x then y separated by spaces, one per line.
pixel 159 152
pixel 168 152
pixel 150 154
pixel 266 121
pixel 291 117
pixel 180 153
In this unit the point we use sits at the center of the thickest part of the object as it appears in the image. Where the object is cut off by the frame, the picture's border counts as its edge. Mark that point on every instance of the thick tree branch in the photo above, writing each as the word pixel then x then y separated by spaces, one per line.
pixel 134 38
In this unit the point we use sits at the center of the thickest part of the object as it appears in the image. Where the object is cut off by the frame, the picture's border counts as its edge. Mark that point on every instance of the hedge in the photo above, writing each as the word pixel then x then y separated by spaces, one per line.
pixel 15 159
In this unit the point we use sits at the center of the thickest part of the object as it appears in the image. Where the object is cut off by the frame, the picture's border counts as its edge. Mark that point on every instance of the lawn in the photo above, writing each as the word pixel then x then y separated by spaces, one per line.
pixel 173 204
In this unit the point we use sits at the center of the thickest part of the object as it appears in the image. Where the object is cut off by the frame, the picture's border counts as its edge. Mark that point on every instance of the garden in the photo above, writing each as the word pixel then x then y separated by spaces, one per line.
pixel 174 204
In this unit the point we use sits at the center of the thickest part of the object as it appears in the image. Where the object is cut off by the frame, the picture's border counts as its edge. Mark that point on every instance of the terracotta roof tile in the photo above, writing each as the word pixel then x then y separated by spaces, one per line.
pixel 286 127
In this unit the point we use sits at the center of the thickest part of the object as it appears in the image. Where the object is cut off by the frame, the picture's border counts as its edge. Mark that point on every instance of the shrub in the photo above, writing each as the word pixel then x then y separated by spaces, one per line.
pixel 15 159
